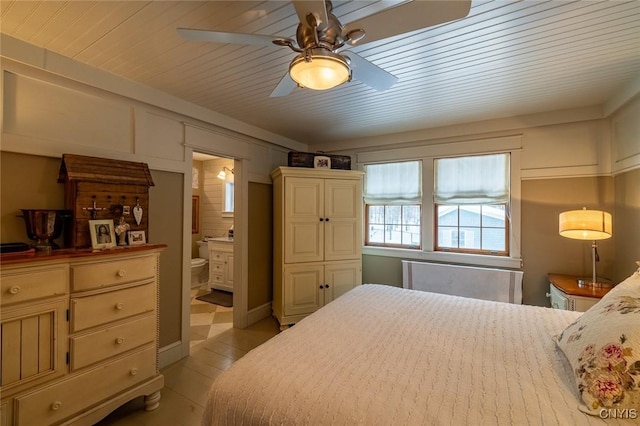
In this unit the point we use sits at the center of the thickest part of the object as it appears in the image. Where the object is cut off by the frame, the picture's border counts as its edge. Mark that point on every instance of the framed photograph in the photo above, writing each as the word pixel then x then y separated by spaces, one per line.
pixel 195 214
pixel 321 162
pixel 102 234
pixel 137 238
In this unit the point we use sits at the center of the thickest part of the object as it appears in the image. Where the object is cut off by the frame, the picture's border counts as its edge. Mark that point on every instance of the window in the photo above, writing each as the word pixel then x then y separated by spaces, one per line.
pixel 393 203
pixel 471 204
pixel 228 197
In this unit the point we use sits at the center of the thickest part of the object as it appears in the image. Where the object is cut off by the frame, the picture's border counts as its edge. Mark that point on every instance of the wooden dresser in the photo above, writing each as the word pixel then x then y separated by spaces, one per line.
pixel 79 334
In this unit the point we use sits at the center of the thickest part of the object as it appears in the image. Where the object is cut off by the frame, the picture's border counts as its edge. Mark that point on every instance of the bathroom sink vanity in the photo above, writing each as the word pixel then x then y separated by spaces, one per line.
pixel 221 263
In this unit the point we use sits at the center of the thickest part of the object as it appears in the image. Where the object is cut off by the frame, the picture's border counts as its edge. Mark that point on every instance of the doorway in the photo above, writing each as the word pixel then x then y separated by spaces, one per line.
pixel 212 245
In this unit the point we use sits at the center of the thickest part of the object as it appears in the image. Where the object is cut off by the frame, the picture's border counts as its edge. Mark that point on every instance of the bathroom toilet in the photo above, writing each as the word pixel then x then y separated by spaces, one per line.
pixel 199 266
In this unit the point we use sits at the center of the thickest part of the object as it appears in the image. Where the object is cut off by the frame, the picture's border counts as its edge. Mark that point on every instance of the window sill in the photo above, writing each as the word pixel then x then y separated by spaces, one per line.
pixel 227 214
pixel 438 256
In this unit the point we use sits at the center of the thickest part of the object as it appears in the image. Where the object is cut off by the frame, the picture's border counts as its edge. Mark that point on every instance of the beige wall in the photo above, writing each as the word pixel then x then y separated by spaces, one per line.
pixel 165 227
pixel 260 234
pixel 543 249
pixel 212 221
pixel 30 181
pixel 626 223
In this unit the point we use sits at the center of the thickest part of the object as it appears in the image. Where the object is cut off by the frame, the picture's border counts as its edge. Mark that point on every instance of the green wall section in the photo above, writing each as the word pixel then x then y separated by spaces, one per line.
pixel 381 270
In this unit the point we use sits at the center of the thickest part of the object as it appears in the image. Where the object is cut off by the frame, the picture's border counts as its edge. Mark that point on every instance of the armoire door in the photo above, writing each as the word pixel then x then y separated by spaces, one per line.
pixel 340 277
pixel 342 207
pixel 304 220
pixel 302 293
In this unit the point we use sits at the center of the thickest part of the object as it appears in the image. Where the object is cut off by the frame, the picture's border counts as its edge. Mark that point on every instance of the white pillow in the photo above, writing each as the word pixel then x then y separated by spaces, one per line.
pixel 603 348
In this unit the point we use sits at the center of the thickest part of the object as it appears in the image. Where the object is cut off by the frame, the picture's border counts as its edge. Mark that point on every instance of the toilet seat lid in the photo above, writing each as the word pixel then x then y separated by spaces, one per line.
pixel 198 261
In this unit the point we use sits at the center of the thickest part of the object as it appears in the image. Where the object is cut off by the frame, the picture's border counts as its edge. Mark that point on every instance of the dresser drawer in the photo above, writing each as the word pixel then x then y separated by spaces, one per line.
pixel 112 306
pixel 114 272
pixel 217 267
pixel 106 343
pixel 35 283
pixel 217 256
pixel 65 398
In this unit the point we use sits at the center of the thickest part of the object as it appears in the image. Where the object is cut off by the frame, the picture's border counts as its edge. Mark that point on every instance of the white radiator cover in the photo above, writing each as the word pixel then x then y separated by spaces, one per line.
pixel 500 285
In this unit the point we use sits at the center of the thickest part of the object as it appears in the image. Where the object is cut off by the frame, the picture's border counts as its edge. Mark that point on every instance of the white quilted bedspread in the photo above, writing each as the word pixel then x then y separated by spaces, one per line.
pixel 382 355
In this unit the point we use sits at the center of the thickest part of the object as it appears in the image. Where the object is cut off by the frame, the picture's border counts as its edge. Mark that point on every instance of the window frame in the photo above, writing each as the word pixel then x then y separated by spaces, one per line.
pixel 512 144
pixel 403 246
pixel 228 190
pixel 504 252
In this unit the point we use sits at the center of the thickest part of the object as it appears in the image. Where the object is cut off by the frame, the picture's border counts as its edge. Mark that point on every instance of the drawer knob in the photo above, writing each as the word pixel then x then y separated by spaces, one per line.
pixel 56 405
pixel 120 340
pixel 548 294
pixel 119 306
pixel 122 273
pixel 134 371
pixel 14 290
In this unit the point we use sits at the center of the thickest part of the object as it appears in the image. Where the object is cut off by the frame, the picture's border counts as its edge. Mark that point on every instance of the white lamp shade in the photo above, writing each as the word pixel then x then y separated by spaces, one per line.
pixel 585 224
pixel 323 71
pixel 222 175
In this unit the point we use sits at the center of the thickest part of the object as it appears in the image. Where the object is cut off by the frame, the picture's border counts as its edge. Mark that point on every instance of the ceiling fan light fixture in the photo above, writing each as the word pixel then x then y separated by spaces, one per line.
pixel 319 69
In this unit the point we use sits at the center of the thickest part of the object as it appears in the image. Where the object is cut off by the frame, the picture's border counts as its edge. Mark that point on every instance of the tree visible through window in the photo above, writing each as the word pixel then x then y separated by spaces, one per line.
pixel 393 199
pixel 393 225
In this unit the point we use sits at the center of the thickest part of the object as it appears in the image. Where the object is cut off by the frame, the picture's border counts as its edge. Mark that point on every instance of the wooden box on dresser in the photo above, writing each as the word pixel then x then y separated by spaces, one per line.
pixel 317 239
pixel 79 334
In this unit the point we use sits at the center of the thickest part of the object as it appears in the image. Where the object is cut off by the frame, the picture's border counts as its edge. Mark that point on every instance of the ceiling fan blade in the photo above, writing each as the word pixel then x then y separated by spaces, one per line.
pixel 314 7
pixel 284 87
pixel 369 73
pixel 231 38
pixel 408 17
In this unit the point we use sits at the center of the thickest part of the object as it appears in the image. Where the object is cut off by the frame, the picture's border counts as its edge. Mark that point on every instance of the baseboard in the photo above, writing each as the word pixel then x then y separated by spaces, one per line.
pixel 169 354
pixel 259 313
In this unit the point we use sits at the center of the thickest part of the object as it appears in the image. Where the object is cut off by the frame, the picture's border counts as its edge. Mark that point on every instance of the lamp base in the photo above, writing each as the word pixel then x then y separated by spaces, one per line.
pixel 588 282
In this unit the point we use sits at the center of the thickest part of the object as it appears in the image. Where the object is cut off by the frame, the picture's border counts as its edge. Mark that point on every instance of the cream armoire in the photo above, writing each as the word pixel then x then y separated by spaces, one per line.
pixel 317 239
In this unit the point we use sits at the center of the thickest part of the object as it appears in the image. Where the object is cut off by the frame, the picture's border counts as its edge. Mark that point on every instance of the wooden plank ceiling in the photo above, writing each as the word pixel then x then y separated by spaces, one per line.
pixel 506 58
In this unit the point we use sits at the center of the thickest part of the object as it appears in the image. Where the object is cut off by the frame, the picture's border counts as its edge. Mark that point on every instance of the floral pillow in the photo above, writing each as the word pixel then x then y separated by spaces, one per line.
pixel 603 348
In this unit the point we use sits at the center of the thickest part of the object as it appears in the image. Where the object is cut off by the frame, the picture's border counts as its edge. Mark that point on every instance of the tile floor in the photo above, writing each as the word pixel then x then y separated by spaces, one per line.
pixel 215 345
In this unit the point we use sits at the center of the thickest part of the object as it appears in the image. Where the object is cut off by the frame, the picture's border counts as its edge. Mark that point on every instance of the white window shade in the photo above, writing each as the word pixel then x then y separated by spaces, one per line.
pixel 482 179
pixel 393 183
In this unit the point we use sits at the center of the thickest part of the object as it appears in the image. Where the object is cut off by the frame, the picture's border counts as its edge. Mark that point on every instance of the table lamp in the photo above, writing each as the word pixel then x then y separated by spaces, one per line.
pixel 587 225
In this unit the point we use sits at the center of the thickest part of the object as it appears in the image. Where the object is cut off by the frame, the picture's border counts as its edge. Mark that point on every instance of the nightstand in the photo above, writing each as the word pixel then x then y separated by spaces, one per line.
pixel 566 294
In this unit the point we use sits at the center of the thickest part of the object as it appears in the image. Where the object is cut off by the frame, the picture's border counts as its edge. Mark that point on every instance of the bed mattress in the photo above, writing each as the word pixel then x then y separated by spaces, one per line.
pixel 381 355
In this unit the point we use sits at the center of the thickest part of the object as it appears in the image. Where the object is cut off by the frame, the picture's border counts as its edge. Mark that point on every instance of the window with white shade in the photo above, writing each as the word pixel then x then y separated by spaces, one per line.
pixel 471 200
pixel 393 204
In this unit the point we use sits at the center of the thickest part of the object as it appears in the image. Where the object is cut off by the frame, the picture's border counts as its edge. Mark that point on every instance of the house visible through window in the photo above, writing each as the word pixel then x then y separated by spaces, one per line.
pixel 393 199
pixel 471 204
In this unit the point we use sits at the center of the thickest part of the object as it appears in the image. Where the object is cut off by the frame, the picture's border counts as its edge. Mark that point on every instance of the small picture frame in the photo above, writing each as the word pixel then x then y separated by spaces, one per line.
pixel 321 162
pixel 137 238
pixel 102 234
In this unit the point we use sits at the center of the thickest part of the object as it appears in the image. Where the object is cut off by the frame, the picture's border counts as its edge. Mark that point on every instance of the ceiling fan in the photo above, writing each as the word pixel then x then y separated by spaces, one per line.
pixel 321 64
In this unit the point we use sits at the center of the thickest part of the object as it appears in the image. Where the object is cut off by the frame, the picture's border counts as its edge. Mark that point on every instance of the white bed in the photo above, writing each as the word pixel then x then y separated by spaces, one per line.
pixel 381 355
